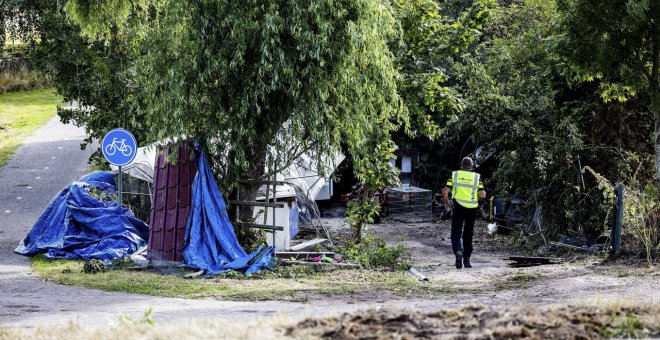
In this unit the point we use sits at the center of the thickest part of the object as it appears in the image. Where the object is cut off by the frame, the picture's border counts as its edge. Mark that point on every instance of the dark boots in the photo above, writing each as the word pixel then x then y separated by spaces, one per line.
pixel 462 261
pixel 459 259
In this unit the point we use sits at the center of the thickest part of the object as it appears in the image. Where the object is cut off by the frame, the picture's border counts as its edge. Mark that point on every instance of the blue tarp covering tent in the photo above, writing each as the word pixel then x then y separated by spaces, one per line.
pixel 211 243
pixel 83 222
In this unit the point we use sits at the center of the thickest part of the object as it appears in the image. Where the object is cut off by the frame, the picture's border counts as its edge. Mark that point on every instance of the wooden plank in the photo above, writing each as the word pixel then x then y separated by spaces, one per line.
pixel 307 245
pixel 320 264
pixel 257 204
pixel 303 254
pixel 535 259
pixel 194 275
pixel 259 226
pixel 420 277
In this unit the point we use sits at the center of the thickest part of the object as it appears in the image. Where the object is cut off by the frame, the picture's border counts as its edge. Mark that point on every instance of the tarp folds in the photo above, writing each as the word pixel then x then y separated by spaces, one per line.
pixel 83 222
pixel 211 243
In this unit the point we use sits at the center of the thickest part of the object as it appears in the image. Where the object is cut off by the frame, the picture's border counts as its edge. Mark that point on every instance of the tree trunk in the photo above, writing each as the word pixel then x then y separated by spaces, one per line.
pixel 247 237
pixel 655 82
pixel 656 114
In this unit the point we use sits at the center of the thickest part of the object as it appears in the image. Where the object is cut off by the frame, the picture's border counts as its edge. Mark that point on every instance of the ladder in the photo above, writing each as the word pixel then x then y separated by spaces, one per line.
pixel 268 203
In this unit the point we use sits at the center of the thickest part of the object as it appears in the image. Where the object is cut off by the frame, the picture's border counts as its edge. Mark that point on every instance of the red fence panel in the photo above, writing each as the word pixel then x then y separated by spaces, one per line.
pixel 172 194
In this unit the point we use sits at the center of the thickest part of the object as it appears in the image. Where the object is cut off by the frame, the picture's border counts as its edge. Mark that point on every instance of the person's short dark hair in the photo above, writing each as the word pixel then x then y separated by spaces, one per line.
pixel 467 163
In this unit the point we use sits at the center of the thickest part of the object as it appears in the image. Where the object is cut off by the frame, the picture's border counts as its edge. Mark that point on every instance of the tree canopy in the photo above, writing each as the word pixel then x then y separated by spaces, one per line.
pixel 617 41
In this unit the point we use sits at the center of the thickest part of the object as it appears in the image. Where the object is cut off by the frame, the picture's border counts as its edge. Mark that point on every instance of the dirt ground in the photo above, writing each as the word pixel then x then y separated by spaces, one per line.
pixel 584 280
pixel 478 322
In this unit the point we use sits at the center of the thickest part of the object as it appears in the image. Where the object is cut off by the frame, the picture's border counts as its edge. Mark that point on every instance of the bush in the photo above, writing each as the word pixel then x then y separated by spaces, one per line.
pixel 98 266
pixel 94 266
pixel 641 219
pixel 375 253
pixel 23 80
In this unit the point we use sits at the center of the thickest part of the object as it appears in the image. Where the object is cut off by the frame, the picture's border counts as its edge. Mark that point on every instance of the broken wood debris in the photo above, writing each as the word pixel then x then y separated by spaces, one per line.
pixel 530 261
pixel 194 275
pixel 420 277
pixel 308 245
pixel 297 255
pixel 343 265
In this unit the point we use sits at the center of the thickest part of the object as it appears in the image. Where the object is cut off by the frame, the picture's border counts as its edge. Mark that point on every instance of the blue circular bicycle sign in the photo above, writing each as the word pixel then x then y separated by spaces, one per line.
pixel 119 147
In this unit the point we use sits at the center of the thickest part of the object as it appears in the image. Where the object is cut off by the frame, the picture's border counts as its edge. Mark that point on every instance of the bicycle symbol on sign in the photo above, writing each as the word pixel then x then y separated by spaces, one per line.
pixel 118 145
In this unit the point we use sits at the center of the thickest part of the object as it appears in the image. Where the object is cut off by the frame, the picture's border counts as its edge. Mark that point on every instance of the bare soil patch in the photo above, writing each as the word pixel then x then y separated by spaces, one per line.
pixel 480 322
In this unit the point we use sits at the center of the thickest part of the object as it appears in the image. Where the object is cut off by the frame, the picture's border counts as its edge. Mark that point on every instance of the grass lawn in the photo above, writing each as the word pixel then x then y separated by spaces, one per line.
pixel 284 284
pixel 20 114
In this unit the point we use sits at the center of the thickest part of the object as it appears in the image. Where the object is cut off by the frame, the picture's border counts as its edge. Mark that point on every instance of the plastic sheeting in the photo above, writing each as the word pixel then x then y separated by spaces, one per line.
pixel 83 222
pixel 211 243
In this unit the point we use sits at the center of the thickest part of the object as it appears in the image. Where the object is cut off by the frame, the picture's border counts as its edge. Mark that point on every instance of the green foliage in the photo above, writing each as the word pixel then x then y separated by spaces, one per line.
pixel 146 320
pixel 618 42
pixel 435 36
pixel 269 80
pixel 18 22
pixel 548 129
pixel 374 253
pixel 122 262
pixel 23 80
pixel 624 324
pixel 98 266
pixel 641 219
pixel 300 76
pixel 94 266
pixel 429 40
pixel 102 195
pixel 359 212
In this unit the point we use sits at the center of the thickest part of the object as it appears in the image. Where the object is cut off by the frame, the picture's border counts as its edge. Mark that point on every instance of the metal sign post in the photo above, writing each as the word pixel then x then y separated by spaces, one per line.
pixel 119 147
pixel 121 181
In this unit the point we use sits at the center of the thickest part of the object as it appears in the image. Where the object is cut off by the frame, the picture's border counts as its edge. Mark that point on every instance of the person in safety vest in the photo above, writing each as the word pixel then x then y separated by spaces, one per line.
pixel 466 190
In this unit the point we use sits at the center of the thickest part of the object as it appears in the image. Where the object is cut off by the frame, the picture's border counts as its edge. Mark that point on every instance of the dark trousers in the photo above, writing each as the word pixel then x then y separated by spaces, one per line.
pixel 462 214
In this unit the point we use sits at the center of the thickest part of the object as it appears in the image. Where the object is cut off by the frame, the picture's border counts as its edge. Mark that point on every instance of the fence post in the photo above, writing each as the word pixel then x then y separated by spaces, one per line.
pixel 618 220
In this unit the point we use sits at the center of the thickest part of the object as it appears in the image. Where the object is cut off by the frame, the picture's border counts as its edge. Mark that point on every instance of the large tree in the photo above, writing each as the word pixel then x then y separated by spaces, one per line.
pixel 256 82
pixel 618 42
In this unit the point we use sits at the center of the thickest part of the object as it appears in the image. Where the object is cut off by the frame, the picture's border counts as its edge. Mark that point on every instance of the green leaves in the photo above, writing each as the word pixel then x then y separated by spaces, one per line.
pixel 257 82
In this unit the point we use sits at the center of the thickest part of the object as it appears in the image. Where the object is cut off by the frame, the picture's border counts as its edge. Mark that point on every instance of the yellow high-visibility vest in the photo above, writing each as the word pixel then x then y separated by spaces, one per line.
pixel 464 187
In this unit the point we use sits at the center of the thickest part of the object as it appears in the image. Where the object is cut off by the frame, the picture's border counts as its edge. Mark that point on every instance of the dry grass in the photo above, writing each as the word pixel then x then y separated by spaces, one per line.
pixel 296 284
pixel 480 322
pixel 198 329
pixel 22 80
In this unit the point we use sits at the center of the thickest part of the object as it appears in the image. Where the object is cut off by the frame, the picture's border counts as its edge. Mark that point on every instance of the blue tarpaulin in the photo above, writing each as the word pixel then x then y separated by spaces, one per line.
pixel 83 222
pixel 211 243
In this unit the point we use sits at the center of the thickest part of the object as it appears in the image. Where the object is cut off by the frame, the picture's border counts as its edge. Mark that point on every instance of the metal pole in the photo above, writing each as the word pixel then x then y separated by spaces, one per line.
pixel 274 208
pixel 119 186
pixel 618 221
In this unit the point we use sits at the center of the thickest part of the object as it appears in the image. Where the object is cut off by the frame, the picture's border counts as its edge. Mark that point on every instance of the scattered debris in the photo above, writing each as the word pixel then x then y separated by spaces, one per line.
pixel 302 255
pixel 308 245
pixel 583 249
pixel 139 257
pixel 492 228
pixel 342 265
pixel 530 261
pixel 194 275
pixel 420 277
